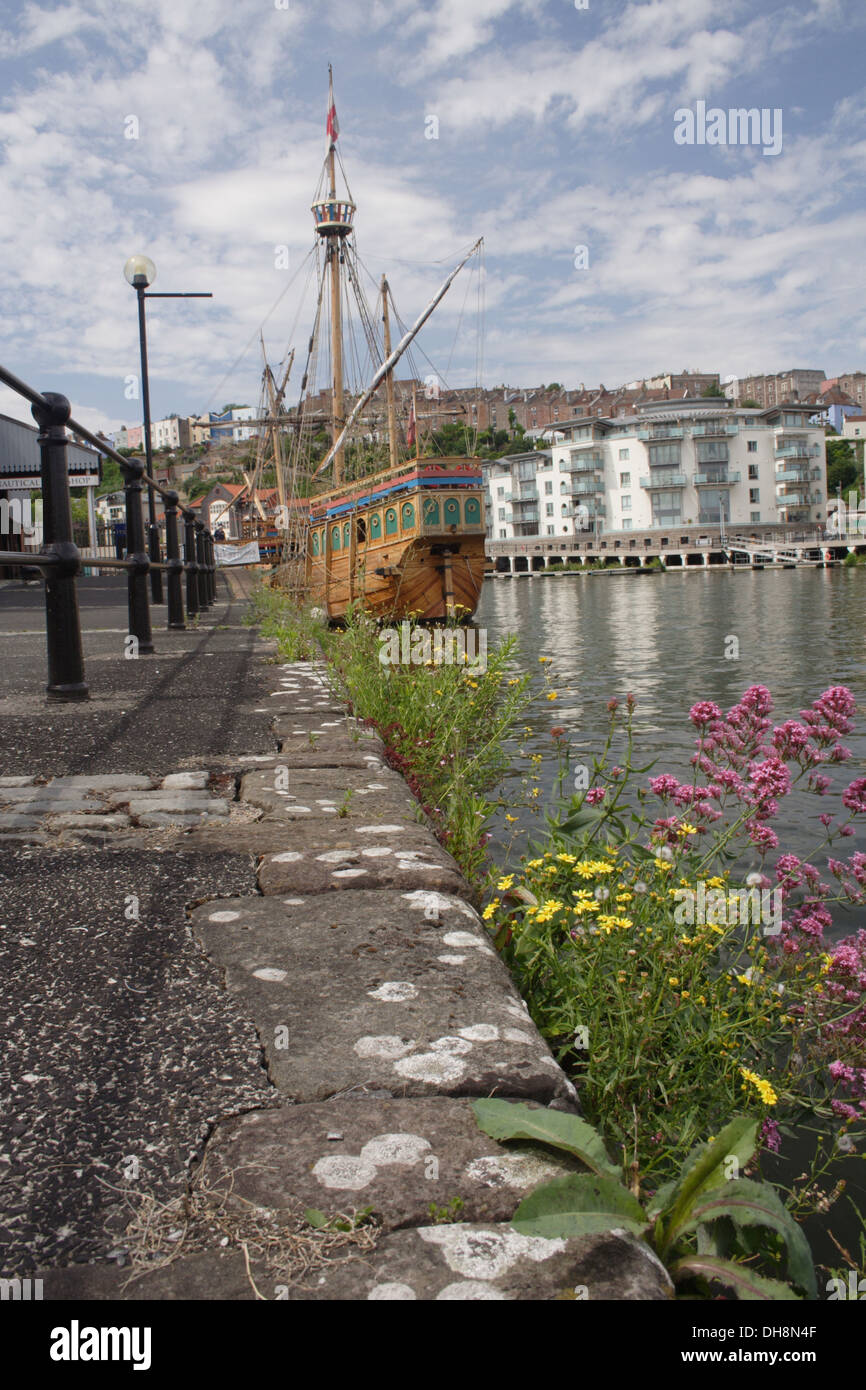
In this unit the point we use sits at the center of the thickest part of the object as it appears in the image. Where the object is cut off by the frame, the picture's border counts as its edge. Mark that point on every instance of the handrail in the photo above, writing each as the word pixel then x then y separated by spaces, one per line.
pixel 61 561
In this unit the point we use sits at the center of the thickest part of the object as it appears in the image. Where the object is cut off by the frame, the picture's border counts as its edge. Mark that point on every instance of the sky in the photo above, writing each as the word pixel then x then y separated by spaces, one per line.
pixel 614 248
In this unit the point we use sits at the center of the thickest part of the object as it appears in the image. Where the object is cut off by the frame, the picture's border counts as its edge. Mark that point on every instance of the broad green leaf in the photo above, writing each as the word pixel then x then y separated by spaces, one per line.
pixel 744 1282
pixel 578 1205
pixel 503 1119
pixel 703 1169
pixel 748 1203
pixel 316 1218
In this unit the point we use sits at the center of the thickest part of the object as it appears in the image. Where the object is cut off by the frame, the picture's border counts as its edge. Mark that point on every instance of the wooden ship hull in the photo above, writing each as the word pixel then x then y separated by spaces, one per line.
pixel 407 543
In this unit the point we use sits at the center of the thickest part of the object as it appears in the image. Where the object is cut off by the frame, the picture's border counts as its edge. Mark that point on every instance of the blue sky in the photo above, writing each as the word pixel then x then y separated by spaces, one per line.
pixel 556 129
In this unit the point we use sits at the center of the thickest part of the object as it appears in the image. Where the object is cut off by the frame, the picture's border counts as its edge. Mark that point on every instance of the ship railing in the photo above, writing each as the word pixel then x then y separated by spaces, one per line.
pixel 61 562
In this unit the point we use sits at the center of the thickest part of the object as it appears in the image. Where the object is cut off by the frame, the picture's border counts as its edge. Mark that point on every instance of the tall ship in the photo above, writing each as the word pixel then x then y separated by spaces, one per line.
pixel 369 514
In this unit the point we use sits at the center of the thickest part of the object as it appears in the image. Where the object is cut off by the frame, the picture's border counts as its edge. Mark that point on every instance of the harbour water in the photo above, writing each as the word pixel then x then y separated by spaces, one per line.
pixel 672 639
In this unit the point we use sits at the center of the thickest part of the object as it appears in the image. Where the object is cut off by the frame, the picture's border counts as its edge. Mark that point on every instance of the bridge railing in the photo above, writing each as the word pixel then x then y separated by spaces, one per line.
pixel 60 560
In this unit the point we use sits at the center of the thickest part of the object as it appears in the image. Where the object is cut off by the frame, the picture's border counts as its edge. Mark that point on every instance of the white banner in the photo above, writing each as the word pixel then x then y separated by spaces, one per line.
pixel 238 554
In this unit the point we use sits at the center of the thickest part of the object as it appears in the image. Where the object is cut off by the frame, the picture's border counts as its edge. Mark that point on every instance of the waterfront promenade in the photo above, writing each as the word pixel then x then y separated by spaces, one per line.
pixel 243 979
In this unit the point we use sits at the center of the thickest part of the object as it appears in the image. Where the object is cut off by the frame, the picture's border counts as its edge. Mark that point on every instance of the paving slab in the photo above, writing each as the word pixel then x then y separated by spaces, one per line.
pixel 397 993
pixel 491 1262
pixel 407 857
pixel 323 793
pixel 400 1157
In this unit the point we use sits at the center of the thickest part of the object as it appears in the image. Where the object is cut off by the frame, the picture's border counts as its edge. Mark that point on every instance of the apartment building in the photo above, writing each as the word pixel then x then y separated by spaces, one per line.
pixel 693 463
pixel 794 385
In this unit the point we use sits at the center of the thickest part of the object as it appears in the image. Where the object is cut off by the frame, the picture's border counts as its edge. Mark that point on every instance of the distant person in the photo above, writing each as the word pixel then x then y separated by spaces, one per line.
pixel 219 534
pixel 119 533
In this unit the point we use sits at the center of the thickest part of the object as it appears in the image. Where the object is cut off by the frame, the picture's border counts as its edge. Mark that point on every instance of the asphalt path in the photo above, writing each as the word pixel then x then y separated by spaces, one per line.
pixel 197 695
pixel 121 1047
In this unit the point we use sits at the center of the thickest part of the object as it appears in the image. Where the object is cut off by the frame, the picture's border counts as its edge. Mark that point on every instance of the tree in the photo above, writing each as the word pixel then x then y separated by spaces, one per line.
pixel 749 404
pixel 714 389
pixel 843 471
pixel 112 478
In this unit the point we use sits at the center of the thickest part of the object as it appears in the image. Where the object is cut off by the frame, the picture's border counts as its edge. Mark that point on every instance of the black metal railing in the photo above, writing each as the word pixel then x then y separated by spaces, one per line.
pixel 61 561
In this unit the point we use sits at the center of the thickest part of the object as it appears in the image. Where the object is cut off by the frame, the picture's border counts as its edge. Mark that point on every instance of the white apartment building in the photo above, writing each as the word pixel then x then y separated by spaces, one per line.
pixel 690 463
pixel 165 434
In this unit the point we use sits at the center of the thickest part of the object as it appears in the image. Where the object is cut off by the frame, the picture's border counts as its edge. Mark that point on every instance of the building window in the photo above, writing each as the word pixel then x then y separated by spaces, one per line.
pixel 752 446
pixel 753 470
pixel 754 494
pixel 548 509
pixel 754 517
pixel 625 480
pixel 626 523
pixel 626 503
pixel 501 516
pixel 548 487
pixel 551 531
pixel 500 492
pixel 623 453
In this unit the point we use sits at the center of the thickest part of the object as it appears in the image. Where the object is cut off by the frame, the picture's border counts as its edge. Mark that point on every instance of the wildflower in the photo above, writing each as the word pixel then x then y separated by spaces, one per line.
pixel 686 829
pixel 704 712
pixel 674 980
pixel 552 695
pixel 505 883
pixel 534 863
pixel 664 786
pixel 769 1136
pixel 557 732
pixel 490 910
pixel 854 796
pixel 764 1089
pixel 544 660
pixel 510 818
pixel 596 795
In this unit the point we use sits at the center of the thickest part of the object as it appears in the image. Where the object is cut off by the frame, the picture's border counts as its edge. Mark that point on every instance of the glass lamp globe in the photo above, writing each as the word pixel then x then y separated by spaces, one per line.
pixel 140 265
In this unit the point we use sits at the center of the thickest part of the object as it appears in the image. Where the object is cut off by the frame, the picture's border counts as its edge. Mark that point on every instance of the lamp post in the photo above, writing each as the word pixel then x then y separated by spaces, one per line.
pixel 140 272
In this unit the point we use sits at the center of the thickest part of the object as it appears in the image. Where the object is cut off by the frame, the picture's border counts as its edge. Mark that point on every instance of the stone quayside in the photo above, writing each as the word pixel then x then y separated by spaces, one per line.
pixel 380 1008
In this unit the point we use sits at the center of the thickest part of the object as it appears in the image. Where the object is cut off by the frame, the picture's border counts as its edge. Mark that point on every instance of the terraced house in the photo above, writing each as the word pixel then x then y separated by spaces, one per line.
pixel 669 475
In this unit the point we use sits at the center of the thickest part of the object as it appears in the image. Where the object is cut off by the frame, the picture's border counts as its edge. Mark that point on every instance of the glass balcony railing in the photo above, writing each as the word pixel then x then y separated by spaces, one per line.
pixel 529 494
pixel 525 516
pixel 582 462
pixel 792 499
pixel 658 479
pixel 795 451
pixel 660 432
pixel 793 475
pixel 585 487
pixel 719 478
pixel 720 427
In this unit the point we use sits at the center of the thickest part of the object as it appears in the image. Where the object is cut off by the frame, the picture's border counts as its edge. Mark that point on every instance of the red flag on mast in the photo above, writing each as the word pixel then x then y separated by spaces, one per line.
pixel 410 430
pixel 333 126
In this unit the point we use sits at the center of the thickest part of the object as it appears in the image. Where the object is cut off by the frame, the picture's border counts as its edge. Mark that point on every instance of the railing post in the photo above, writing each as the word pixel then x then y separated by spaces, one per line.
pixel 192 605
pixel 62 621
pixel 139 607
pixel 203 589
pixel 175 563
pixel 211 566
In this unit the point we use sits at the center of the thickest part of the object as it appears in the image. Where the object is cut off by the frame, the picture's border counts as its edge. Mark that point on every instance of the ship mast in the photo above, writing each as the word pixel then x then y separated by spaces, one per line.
pixel 389 379
pixel 333 223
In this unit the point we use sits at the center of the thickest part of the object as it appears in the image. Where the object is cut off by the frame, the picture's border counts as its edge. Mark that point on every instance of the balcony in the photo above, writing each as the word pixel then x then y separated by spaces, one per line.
pixel 660 432
pixel 582 462
pixel 795 451
pixel 720 478
pixel 793 499
pixel 527 494
pixel 659 479
pixel 525 517
pixel 721 427
pixel 586 487
pixel 794 475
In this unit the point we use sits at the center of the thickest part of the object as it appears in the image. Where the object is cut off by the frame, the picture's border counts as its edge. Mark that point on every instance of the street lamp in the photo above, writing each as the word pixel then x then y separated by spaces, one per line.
pixel 140 272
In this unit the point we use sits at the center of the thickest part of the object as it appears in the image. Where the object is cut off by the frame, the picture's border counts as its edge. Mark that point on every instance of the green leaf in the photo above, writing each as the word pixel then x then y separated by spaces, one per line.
pixel 503 1119
pixel 745 1283
pixel 748 1203
pixel 704 1169
pixel 579 1205
pixel 316 1218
